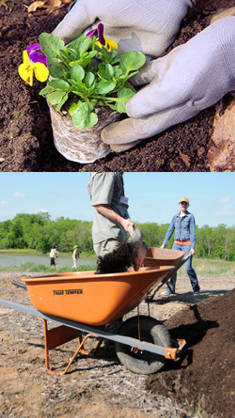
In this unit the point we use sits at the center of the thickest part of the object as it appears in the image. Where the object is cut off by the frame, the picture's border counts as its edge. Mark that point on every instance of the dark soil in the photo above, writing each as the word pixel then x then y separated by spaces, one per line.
pixel 26 142
pixel 206 376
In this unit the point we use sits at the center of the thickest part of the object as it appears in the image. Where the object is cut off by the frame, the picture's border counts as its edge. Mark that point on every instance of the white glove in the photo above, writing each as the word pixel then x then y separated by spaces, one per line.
pixel 146 25
pixel 190 78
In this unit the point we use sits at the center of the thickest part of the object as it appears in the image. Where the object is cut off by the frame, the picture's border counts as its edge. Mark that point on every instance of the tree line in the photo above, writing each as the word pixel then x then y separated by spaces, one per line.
pixel 40 232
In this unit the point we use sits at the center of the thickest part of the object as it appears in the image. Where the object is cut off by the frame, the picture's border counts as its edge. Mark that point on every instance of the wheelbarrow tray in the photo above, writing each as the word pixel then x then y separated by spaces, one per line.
pixel 94 299
pixel 163 257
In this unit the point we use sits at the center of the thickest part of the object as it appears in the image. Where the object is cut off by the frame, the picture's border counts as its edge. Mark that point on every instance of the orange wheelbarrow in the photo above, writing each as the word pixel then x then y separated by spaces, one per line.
pixel 86 305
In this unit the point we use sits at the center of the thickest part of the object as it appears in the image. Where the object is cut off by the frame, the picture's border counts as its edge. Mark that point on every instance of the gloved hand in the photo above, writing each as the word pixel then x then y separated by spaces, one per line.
pixel 190 78
pixel 146 25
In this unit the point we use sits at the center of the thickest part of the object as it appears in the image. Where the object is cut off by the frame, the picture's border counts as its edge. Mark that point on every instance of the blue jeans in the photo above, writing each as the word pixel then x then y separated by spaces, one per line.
pixel 189 269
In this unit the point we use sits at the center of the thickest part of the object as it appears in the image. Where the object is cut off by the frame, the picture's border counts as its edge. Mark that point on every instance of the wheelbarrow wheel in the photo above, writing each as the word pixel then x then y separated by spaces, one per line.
pixel 142 362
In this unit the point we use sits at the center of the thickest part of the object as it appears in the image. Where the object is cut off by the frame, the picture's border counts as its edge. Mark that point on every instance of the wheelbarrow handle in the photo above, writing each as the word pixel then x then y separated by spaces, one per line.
pixel 19 284
pixel 183 261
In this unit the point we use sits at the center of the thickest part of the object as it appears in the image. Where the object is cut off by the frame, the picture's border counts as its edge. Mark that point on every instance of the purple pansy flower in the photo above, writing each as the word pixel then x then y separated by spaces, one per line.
pixel 35 54
pixel 100 31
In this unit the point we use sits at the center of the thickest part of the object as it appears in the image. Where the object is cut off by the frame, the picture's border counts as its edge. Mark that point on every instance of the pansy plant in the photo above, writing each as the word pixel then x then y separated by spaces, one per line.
pixel 87 73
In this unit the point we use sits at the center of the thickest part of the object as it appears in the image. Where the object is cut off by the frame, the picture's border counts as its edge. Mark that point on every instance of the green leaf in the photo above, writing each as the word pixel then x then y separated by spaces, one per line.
pixel 77 72
pixel 106 71
pixel 130 86
pixel 82 115
pixel 59 84
pixel 132 60
pixel 46 90
pixel 71 53
pixel 76 42
pixel 113 56
pixel 117 72
pixel 84 46
pixel 89 79
pixel 57 70
pixel 105 86
pixel 63 100
pixel 124 95
pixel 84 61
pixel 64 58
pixel 55 97
pixel 50 45
pixel 77 83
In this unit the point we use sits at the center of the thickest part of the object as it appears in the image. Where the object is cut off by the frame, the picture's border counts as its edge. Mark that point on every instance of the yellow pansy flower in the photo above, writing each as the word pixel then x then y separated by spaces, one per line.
pixel 103 41
pixel 109 44
pixel 28 69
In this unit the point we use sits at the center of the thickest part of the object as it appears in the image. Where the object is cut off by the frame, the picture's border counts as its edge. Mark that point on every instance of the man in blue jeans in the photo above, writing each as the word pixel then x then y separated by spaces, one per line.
pixel 184 225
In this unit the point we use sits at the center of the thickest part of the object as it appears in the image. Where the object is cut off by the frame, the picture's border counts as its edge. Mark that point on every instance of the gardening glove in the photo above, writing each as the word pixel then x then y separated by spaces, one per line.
pixel 149 26
pixel 190 78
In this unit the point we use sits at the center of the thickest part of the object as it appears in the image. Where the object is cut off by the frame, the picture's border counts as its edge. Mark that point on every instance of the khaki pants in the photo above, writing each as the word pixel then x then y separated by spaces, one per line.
pixel 106 246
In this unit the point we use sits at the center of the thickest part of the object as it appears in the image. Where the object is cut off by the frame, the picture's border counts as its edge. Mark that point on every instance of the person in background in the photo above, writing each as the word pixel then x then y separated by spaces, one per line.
pixel 75 256
pixel 183 223
pixel 110 215
pixel 53 255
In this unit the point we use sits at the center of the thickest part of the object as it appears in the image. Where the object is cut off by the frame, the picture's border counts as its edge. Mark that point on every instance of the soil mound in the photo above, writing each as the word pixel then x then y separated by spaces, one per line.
pixel 26 142
pixel 205 377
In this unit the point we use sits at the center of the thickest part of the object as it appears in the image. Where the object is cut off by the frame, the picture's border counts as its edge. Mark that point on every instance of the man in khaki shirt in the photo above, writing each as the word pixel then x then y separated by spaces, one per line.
pixel 111 219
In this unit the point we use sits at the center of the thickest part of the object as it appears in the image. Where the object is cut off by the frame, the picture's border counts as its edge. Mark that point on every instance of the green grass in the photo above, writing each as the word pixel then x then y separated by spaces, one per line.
pixel 29 251
pixel 41 268
pixel 20 251
pixel 214 267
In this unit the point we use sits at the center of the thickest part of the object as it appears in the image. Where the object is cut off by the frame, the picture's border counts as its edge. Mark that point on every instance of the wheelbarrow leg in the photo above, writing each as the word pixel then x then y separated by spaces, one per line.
pixel 171 283
pixel 60 335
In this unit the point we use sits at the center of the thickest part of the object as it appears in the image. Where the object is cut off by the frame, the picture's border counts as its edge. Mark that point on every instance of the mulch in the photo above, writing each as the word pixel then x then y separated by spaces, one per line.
pixel 26 141
pixel 206 376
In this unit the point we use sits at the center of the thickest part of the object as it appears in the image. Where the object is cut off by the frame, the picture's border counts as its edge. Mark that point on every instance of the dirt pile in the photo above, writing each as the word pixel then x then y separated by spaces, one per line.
pixel 26 142
pixel 206 376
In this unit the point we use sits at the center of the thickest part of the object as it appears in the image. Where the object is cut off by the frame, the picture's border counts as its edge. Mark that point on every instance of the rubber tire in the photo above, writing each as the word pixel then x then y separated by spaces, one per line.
pixel 152 331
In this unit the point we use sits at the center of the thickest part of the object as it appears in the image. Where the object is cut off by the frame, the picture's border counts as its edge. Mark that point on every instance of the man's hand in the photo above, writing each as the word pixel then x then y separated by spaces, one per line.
pixel 192 251
pixel 127 224
pixel 190 78
pixel 146 25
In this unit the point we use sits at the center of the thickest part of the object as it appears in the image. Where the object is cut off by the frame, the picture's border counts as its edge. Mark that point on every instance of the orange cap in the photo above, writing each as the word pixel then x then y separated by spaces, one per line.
pixel 184 199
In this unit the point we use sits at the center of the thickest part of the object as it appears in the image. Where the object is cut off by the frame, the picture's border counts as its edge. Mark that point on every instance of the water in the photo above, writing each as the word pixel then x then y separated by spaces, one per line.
pixel 61 261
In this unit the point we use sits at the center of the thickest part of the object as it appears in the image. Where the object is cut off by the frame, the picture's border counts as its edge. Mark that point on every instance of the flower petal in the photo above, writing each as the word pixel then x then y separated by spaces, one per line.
pixel 33 48
pixel 110 44
pixel 41 72
pixel 26 59
pixel 99 44
pixel 91 32
pixel 26 73
pixel 38 57
pixel 100 29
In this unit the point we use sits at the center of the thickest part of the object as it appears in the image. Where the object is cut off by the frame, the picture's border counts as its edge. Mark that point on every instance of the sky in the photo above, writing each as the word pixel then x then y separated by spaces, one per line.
pixel 153 197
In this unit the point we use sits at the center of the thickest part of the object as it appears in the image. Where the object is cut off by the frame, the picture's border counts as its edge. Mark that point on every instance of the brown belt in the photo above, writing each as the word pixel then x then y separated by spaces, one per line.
pixel 187 242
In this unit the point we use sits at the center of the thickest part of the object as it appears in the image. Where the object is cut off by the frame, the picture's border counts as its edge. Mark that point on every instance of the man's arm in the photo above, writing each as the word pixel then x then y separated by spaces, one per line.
pixel 113 216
